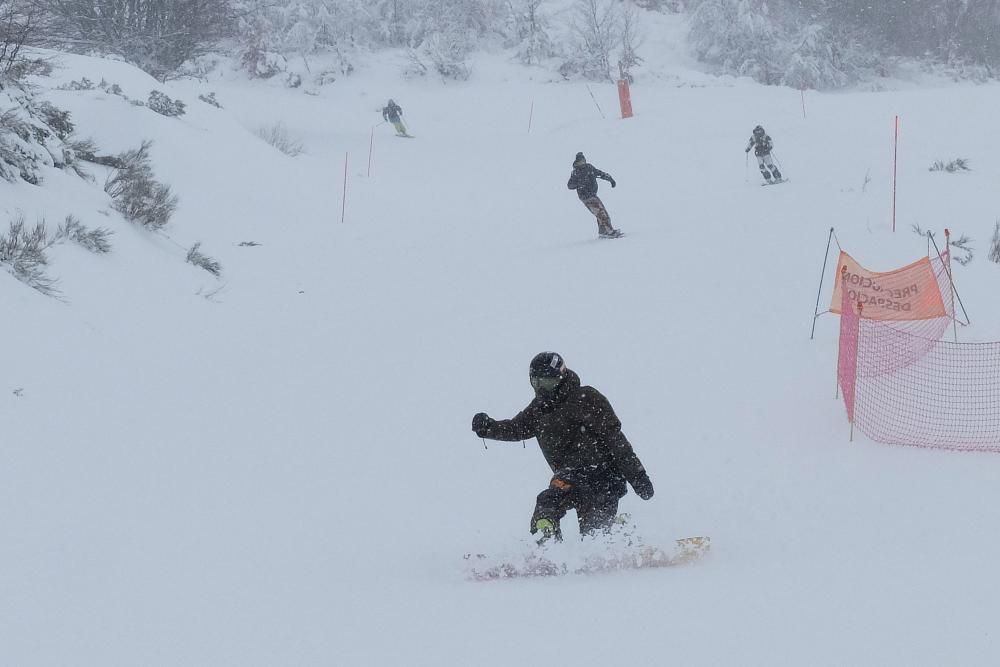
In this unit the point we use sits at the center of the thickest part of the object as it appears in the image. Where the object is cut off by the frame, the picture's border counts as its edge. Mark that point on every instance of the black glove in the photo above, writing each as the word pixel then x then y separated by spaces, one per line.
pixel 747 150
pixel 643 486
pixel 481 424
pixel 613 184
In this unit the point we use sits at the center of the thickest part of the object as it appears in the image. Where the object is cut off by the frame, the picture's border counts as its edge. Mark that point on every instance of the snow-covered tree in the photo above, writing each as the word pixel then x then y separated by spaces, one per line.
pixel 529 31
pixel 739 36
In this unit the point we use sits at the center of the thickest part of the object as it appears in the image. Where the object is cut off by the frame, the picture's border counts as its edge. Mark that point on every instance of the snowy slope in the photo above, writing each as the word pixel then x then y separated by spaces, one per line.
pixel 283 473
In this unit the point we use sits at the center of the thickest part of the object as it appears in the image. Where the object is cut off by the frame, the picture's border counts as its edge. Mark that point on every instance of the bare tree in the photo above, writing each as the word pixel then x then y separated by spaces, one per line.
pixel 596 27
pixel 19 21
pixel 631 40
pixel 156 35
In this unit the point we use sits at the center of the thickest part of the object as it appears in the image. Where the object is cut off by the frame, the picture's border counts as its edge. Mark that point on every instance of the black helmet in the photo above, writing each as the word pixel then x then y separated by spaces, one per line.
pixel 546 372
pixel 579 159
pixel 758 131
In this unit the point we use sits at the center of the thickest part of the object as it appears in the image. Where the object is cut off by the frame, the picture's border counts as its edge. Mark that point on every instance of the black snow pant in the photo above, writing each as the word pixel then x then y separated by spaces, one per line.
pixel 595 501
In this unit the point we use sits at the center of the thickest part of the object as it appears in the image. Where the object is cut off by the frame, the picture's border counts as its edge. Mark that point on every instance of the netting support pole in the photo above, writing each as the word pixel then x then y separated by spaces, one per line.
pixel 947 244
pixel 857 355
pixel 826 257
pixel 895 158
pixel 954 289
pixel 836 392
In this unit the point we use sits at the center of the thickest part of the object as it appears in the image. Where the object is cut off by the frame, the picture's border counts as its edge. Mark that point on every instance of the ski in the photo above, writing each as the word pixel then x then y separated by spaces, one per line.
pixel 687 550
pixel 776 182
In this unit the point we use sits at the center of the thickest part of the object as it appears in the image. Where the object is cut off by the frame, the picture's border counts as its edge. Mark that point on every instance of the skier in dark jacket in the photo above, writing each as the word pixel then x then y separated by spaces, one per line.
pixel 581 439
pixel 584 181
pixel 393 113
pixel 762 145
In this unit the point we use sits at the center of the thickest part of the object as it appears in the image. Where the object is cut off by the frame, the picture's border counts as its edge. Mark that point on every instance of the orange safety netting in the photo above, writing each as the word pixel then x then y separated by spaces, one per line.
pixel 903 385
pixel 910 293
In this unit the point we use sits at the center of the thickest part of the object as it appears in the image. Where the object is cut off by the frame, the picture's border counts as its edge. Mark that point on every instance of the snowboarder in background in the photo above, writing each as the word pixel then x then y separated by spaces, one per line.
pixel 581 439
pixel 584 181
pixel 393 113
pixel 762 145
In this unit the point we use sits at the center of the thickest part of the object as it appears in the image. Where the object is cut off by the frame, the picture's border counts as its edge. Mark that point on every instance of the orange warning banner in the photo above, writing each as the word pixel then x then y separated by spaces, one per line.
pixel 909 293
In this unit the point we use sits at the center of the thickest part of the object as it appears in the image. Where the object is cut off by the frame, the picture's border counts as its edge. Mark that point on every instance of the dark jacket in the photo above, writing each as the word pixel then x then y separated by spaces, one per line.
pixel 577 431
pixel 760 146
pixel 392 112
pixel 584 180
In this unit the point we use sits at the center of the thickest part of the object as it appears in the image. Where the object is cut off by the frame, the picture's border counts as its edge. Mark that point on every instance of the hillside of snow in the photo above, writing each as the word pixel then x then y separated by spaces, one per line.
pixel 276 467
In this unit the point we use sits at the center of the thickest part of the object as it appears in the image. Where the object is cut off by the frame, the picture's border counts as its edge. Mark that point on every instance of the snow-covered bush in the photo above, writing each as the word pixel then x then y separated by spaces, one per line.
pixel 22 253
pixel 276 134
pixel 83 84
pixel 55 119
pixel 27 141
pixel 163 105
pixel 196 257
pixel 448 53
pixel 136 193
pixel 956 165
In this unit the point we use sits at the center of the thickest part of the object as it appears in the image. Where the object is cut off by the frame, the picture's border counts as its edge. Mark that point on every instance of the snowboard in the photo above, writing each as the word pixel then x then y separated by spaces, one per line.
pixel 776 182
pixel 686 550
pixel 406 136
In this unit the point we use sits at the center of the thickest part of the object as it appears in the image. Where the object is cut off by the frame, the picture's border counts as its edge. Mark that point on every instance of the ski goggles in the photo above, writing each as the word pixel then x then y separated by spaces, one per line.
pixel 544 383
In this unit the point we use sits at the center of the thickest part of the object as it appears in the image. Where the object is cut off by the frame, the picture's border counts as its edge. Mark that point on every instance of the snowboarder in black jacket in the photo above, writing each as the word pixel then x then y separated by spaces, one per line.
pixel 393 113
pixel 584 181
pixel 762 145
pixel 581 439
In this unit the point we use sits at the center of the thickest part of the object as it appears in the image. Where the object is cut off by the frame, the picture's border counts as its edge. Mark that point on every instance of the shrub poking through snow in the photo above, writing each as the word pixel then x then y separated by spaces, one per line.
pixel 956 165
pixel 22 253
pixel 94 240
pixel 277 135
pixel 163 105
pixel 995 244
pixel 82 84
pixel 196 257
pixel 136 194
pixel 210 99
pixel 962 244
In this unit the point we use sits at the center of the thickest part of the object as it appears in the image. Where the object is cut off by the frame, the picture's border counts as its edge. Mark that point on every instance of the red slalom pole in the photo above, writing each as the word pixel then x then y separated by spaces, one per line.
pixel 343 203
pixel 895 156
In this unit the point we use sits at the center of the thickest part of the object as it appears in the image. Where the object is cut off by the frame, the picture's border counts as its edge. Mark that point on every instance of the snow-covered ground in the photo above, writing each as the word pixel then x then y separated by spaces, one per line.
pixel 276 468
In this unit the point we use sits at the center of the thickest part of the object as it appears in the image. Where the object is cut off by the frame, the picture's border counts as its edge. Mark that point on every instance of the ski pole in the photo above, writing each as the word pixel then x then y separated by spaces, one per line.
pixel 777 161
pixel 746 166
